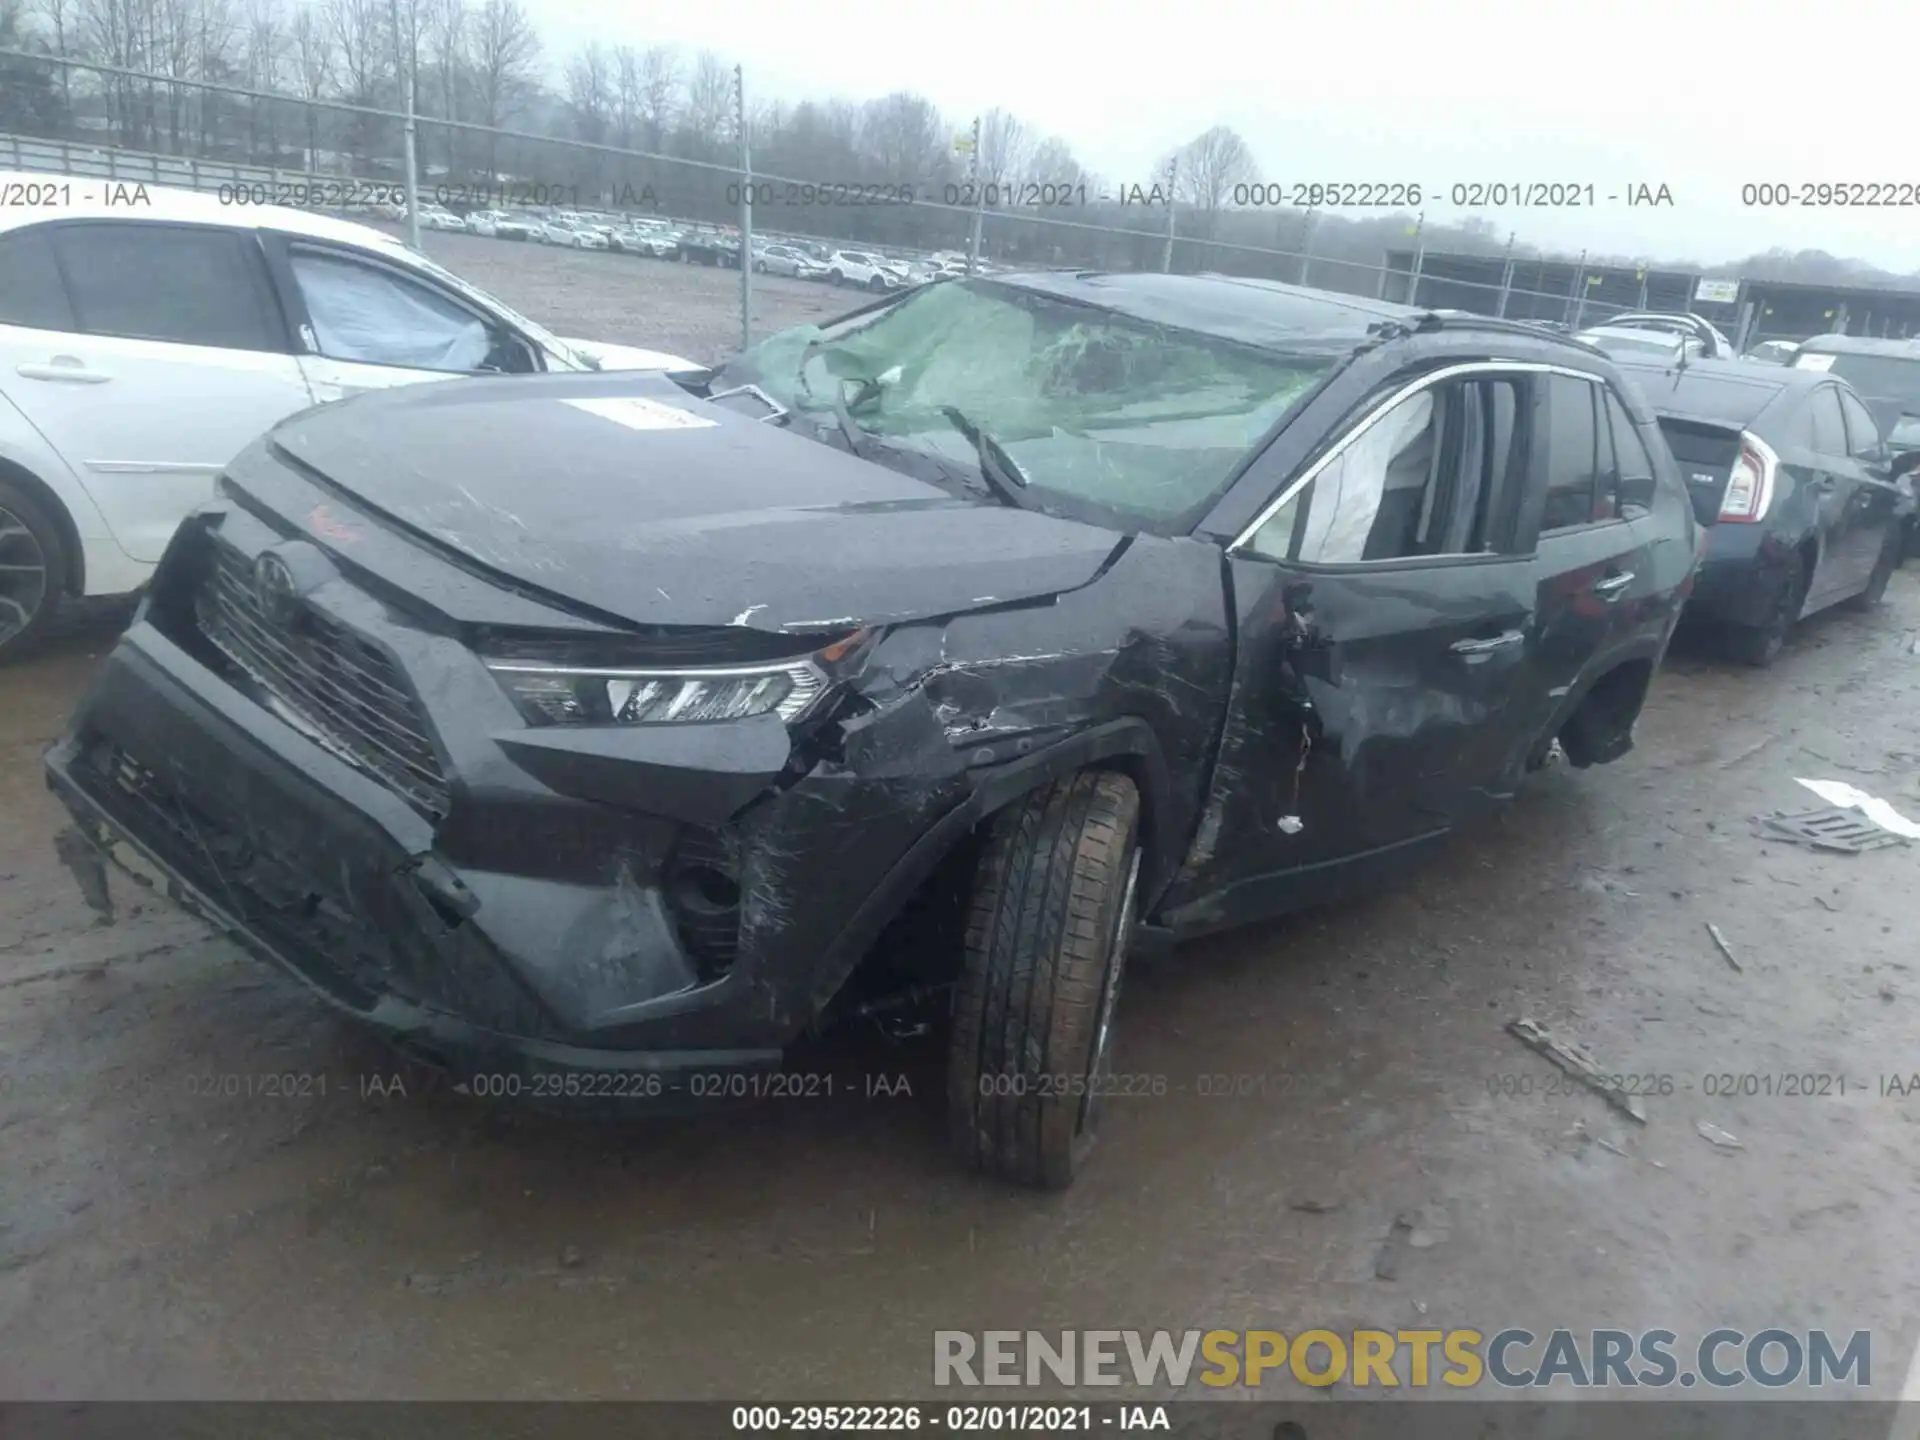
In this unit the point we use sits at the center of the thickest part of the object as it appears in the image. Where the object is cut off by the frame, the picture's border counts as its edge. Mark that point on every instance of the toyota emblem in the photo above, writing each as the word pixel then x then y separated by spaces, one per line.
pixel 274 589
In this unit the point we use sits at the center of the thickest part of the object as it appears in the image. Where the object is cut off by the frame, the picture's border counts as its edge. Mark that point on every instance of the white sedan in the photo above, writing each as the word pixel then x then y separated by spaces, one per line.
pixel 573 234
pixel 142 349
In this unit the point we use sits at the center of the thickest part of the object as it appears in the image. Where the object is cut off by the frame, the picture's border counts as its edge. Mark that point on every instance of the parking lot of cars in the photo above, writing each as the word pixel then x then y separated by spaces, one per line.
pixel 1360 1047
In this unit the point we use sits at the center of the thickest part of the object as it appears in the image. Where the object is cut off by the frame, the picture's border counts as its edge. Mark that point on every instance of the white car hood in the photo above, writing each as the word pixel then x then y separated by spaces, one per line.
pixel 628 357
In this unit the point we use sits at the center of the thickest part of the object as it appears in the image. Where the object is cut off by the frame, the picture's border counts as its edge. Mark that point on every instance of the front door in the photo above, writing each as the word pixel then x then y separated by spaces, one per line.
pixel 1384 625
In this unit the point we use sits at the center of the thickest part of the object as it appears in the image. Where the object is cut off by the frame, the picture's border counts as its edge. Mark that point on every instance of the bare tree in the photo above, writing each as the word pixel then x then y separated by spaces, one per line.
pixel 446 39
pixel 590 92
pixel 263 63
pixel 708 117
pixel 904 139
pixel 1210 165
pixel 1006 145
pixel 310 47
pixel 505 54
pixel 659 80
pixel 62 20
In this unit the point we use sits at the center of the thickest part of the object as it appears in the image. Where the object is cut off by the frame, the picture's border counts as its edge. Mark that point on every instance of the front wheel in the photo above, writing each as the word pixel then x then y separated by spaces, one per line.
pixel 876 284
pixel 33 571
pixel 836 279
pixel 1883 568
pixel 1051 911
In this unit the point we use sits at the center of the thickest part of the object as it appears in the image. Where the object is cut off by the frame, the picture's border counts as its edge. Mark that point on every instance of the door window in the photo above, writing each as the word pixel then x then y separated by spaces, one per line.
pixel 31 290
pixel 371 315
pixel 1424 479
pixel 1829 429
pixel 1574 458
pixel 179 283
pixel 1863 435
pixel 1633 468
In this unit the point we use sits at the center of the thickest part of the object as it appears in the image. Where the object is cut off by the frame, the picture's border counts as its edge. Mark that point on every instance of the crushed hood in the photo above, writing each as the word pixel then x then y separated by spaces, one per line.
pixel 625 494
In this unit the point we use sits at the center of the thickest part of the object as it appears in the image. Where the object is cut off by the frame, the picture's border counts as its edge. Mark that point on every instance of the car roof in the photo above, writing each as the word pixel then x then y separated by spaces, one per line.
pixel 1634 332
pixel 1862 345
pixel 1730 390
pixel 1265 314
pixel 165 204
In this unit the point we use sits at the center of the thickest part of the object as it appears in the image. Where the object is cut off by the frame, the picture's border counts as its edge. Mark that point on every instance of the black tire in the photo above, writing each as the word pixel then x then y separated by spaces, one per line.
pixel 760 267
pixel 1760 645
pixel 1046 941
pixel 28 536
pixel 1883 568
pixel 836 279
pixel 876 284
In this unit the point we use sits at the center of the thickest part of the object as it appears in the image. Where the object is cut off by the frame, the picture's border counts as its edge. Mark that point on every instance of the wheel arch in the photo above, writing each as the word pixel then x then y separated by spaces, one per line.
pixel 1595 725
pixel 51 501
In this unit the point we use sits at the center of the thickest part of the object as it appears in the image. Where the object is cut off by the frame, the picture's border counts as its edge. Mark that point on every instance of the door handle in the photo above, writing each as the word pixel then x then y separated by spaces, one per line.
pixel 64 367
pixel 1613 586
pixel 1488 645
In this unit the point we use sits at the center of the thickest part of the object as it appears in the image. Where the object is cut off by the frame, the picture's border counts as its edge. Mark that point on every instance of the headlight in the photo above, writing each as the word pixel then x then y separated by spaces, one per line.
pixel 591 695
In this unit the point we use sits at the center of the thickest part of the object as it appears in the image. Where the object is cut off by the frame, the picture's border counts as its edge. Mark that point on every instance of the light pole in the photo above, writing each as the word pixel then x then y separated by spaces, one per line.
pixel 405 62
pixel 746 208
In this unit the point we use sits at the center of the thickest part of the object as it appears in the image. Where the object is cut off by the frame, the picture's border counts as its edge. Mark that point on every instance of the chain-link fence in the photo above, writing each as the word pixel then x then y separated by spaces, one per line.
pixel 254 145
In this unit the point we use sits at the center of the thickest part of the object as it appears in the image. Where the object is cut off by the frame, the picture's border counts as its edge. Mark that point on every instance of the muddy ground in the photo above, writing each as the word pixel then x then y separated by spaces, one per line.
pixel 167 1229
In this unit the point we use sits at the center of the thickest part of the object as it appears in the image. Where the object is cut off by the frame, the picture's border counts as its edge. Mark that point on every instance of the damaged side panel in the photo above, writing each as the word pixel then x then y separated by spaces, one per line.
pixel 1367 708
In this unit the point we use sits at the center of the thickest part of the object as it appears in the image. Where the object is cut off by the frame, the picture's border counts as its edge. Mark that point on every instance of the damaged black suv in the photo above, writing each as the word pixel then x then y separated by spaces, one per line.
pixel 597 727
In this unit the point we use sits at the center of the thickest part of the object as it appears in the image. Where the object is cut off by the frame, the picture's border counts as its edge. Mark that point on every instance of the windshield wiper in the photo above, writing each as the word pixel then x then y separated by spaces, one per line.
pixel 999 469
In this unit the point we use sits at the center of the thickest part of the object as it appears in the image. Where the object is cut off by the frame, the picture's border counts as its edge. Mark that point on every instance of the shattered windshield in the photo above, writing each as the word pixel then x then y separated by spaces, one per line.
pixel 1138 422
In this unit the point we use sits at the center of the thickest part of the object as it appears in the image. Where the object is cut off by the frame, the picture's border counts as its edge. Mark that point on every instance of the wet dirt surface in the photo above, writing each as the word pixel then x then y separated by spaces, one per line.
pixel 210 1186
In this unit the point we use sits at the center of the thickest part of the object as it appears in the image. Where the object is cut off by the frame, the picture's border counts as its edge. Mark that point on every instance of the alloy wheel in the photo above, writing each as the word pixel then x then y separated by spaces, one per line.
pixel 23 576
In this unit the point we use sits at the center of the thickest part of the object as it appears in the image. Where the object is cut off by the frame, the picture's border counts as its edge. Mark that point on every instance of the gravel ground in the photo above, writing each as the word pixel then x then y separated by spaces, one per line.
pixel 172 1225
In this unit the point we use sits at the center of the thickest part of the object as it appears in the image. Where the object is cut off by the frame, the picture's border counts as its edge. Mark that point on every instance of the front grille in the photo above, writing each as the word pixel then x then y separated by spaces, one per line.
pixel 337 687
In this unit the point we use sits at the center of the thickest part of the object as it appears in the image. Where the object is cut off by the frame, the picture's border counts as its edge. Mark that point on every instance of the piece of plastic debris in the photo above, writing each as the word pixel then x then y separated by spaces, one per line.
pixel 1852 797
pixel 1713 1134
pixel 1289 824
pixel 1576 1062
pixel 1832 827
pixel 1725 948
pixel 1314 1206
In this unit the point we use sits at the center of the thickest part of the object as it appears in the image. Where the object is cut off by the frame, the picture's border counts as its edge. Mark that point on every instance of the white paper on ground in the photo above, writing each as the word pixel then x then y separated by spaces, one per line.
pixel 639 413
pixel 1850 797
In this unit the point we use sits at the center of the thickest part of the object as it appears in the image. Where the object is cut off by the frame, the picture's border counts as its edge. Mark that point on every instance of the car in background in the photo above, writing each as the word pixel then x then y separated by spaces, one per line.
pixel 1714 345
pixel 1809 497
pixel 572 235
pixel 710 247
pixel 1772 352
pixel 788 260
pixel 517 225
pixel 654 242
pixel 1238 597
pixel 438 217
pixel 484 222
pixel 866 269
pixel 141 349
pixel 1622 343
pixel 1886 373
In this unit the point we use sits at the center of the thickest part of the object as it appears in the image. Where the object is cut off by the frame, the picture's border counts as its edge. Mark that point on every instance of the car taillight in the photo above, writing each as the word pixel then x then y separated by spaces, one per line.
pixel 1750 489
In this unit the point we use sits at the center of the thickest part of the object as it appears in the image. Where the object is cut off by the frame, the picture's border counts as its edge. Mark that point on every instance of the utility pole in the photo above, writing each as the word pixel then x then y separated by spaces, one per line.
pixel 1506 278
pixel 1306 244
pixel 406 63
pixel 1419 259
pixel 1579 296
pixel 979 188
pixel 746 208
pixel 1166 251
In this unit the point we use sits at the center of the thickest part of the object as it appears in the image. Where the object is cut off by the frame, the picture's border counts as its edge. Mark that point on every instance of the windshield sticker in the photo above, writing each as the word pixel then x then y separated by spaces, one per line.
pixel 1815 362
pixel 639 414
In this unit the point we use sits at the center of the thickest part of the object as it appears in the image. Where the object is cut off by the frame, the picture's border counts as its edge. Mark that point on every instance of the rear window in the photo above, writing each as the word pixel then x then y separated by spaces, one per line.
pixel 31 291
pixel 1878 377
pixel 175 283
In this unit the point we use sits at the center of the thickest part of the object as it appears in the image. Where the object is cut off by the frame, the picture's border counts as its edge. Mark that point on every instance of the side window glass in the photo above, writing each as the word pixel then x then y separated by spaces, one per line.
pixel 1863 435
pixel 1829 430
pixel 1572 455
pixel 1796 430
pixel 1424 479
pixel 174 283
pixel 31 290
pixel 1632 464
pixel 1606 474
pixel 370 315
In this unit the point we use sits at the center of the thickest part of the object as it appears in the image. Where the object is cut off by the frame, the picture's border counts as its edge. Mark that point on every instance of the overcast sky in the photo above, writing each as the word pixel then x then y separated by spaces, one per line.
pixel 1700 96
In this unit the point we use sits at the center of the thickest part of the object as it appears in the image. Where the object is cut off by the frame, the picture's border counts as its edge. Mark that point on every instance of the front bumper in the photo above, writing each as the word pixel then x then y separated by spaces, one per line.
pixel 547 922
